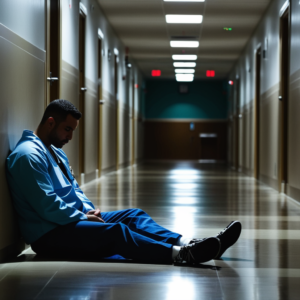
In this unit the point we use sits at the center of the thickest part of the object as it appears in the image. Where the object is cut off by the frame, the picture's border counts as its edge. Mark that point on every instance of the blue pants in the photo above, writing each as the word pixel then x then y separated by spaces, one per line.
pixel 130 233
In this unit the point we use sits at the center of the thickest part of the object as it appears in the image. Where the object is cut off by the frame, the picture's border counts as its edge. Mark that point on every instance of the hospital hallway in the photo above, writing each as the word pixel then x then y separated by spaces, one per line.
pixel 194 199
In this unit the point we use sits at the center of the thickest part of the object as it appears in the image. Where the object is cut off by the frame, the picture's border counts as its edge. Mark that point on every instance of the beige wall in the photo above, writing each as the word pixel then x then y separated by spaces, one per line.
pixel 267 36
pixel 21 107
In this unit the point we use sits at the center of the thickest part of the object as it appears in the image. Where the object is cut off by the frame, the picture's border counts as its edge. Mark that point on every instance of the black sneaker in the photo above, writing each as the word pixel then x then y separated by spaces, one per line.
pixel 228 236
pixel 199 252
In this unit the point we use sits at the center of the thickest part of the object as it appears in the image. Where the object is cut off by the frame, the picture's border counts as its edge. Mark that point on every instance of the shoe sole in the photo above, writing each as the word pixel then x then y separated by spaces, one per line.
pixel 206 250
pixel 233 232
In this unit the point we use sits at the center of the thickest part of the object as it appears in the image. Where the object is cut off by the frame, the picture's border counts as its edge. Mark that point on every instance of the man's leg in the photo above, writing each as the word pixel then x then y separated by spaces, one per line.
pixel 103 240
pixel 140 222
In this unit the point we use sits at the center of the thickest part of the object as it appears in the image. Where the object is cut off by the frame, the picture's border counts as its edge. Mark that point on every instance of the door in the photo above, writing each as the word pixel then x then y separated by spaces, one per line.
pixel 82 90
pixel 53 50
pixel 100 99
pixel 237 126
pixel 133 125
pixel 283 98
pixel 256 112
pixel 117 110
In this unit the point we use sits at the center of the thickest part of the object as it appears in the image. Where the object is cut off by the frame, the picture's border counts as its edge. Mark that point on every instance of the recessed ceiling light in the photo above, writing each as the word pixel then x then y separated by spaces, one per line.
pixel 184 64
pixel 184 44
pixel 184 19
pixel 184 57
pixel 185 71
pixel 185 77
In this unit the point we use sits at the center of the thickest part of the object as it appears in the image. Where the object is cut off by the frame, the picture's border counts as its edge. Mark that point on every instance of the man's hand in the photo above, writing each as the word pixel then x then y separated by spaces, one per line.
pixel 94 216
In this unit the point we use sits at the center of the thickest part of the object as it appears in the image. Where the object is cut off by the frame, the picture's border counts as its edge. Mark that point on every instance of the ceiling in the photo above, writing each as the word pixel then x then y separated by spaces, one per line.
pixel 141 26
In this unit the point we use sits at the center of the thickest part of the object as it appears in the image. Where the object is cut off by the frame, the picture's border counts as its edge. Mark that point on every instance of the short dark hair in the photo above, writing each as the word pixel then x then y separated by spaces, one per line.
pixel 59 110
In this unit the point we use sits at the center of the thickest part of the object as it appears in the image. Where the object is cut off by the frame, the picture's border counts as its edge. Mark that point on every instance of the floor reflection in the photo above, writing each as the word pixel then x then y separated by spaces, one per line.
pixel 196 200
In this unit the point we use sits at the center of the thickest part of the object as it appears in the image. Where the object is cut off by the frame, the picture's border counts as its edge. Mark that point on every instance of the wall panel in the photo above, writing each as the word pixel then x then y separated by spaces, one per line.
pixel 174 140
pixel 21 107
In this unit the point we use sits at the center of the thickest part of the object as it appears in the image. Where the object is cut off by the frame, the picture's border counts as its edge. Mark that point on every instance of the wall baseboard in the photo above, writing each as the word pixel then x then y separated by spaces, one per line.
pixel 292 192
pixel 12 250
pixel 124 165
pixel 273 183
pixel 247 171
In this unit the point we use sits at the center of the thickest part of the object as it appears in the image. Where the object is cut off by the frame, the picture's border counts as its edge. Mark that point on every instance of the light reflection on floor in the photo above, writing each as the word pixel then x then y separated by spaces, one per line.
pixel 196 200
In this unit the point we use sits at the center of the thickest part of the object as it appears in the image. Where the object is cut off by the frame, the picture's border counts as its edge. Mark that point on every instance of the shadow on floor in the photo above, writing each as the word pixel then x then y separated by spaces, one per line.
pixel 113 259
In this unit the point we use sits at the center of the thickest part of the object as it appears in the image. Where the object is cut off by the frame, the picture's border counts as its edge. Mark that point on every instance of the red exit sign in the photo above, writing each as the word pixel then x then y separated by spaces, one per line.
pixel 156 73
pixel 210 73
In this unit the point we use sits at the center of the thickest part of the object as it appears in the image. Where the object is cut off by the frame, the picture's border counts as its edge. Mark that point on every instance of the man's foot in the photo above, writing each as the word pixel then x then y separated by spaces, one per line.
pixel 228 236
pixel 199 252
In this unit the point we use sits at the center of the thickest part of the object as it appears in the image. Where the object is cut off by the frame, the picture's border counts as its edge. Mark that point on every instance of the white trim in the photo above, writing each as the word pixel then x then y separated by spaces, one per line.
pixel 284 7
pixel 100 34
pixel 186 120
pixel 82 8
pixel 257 47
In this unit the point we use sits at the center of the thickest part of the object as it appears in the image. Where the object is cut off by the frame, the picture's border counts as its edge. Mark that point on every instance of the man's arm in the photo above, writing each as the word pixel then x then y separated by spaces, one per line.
pixel 29 174
pixel 87 204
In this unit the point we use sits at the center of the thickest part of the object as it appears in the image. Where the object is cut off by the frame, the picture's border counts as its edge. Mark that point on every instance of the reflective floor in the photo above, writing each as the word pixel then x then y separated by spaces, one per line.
pixel 196 200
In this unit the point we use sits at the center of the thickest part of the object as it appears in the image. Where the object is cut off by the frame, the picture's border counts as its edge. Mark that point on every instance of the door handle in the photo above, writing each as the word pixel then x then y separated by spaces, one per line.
pixel 51 79
pixel 280 98
pixel 84 89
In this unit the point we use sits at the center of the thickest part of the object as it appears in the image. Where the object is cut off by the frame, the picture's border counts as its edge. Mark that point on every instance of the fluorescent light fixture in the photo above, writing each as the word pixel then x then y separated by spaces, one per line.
pixel 184 0
pixel 185 77
pixel 184 44
pixel 116 51
pixel 185 71
pixel 184 57
pixel 100 34
pixel 184 64
pixel 184 19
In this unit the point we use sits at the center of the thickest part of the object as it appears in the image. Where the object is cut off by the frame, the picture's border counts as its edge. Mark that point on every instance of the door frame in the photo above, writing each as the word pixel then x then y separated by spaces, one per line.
pixel 116 87
pixel 133 124
pixel 237 126
pixel 48 53
pixel 284 52
pixel 100 103
pixel 82 15
pixel 256 112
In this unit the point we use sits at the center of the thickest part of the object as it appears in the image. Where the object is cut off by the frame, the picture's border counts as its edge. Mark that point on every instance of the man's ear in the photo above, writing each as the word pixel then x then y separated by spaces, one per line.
pixel 50 123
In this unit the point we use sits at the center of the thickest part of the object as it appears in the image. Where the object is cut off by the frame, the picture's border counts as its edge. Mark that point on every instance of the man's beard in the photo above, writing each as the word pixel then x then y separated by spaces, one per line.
pixel 55 141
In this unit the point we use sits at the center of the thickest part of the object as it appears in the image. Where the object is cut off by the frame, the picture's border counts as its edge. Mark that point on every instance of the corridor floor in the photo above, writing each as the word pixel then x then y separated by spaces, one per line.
pixel 196 200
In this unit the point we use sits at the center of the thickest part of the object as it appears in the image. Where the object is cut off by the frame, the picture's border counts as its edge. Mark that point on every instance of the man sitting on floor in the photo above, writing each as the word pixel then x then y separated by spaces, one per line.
pixel 56 217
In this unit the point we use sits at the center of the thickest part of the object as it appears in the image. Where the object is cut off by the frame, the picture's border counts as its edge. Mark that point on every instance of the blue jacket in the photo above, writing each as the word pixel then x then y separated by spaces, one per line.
pixel 42 195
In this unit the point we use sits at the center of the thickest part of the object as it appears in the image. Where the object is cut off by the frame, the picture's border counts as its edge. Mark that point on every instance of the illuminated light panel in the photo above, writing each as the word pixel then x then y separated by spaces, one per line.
pixel 136 86
pixel 100 34
pixel 184 44
pixel 184 64
pixel 184 57
pixel 210 73
pixel 184 19
pixel 227 28
pixel 185 71
pixel 156 73
pixel 184 77
pixel 230 82
pixel 184 0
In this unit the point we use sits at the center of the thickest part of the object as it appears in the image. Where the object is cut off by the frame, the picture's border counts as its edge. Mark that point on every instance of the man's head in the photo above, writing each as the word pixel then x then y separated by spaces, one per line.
pixel 59 121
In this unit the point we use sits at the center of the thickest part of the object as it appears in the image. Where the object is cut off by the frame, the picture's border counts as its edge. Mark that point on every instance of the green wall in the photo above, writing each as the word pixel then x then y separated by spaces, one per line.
pixel 207 99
